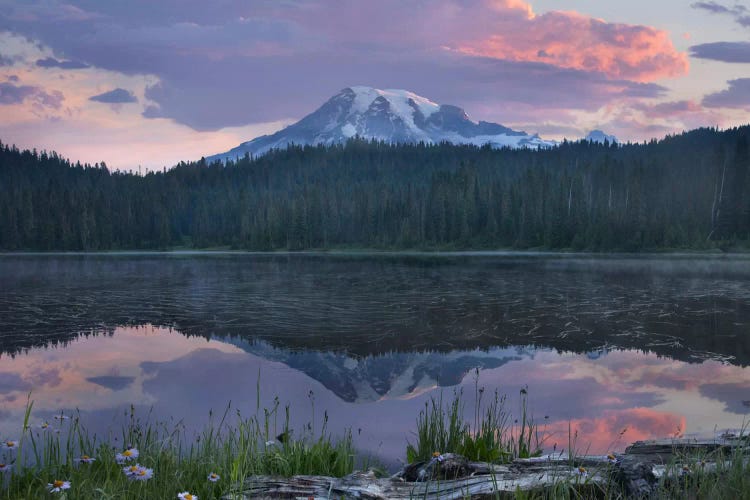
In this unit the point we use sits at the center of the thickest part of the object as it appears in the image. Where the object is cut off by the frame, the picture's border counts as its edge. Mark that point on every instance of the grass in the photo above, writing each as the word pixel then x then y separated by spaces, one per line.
pixel 236 447
pixel 488 437
pixel 233 448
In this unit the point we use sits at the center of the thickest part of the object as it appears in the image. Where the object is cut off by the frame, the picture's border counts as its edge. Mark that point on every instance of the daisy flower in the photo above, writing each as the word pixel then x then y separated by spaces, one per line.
pixel 185 495
pixel 44 426
pixel 129 454
pixel 5 467
pixel 213 477
pixel 85 459
pixel 437 456
pixel 611 458
pixel 143 474
pixel 582 471
pixel 57 486
pixel 131 470
pixel 10 445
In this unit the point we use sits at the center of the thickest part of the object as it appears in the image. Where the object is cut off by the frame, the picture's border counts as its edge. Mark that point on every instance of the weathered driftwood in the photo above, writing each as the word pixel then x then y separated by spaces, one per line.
pixel 638 471
pixel 645 463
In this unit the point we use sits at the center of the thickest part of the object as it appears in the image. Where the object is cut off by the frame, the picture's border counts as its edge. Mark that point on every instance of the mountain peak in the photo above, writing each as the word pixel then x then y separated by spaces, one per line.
pixel 390 115
pixel 600 137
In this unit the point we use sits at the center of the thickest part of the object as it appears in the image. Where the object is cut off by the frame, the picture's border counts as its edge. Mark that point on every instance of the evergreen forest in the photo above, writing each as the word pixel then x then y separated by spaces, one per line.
pixel 687 191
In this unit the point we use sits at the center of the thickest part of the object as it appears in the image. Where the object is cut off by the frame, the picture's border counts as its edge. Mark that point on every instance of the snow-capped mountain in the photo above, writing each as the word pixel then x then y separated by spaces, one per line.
pixel 600 137
pixel 388 376
pixel 396 116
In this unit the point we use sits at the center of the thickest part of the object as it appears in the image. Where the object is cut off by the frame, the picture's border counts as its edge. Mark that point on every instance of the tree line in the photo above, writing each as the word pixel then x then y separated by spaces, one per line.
pixel 690 190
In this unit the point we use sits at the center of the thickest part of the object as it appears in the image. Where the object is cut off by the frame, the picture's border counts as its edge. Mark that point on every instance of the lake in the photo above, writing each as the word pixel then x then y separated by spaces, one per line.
pixel 616 348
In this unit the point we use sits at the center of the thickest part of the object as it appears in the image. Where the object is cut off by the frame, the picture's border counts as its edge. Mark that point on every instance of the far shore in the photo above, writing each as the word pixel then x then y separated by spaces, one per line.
pixel 714 252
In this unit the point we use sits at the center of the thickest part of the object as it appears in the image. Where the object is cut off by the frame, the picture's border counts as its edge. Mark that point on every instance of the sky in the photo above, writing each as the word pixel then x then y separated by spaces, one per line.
pixel 143 83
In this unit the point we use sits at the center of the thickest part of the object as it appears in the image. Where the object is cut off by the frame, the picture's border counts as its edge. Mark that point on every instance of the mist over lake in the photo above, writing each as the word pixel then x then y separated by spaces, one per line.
pixel 651 345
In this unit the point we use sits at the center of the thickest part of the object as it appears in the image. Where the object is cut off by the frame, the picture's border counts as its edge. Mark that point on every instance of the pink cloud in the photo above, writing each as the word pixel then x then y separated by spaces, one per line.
pixel 615 429
pixel 575 41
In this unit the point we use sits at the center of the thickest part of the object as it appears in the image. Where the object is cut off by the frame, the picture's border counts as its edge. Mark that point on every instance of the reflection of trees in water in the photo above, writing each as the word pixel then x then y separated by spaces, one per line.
pixel 366 306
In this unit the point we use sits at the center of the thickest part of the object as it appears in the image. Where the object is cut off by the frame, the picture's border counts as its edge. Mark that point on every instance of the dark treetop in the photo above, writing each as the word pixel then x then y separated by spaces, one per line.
pixel 685 191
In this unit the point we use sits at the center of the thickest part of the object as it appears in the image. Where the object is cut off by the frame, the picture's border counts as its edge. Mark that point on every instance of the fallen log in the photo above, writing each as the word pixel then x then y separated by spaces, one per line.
pixel 637 472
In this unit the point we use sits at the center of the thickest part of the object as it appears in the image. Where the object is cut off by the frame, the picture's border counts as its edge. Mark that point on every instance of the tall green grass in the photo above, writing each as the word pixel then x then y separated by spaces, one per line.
pixel 232 446
pixel 489 436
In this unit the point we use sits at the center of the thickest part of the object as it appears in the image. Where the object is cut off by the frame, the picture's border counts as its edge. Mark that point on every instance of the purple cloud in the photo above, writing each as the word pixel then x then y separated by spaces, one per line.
pixel 732 52
pixel 51 62
pixel 116 96
pixel 740 13
pixel 268 60
pixel 483 86
pixel 16 94
pixel 712 7
pixel 736 96
pixel 10 382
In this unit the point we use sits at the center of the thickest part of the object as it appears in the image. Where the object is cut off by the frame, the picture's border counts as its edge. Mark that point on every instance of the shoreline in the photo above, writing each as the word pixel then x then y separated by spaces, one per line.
pixel 365 252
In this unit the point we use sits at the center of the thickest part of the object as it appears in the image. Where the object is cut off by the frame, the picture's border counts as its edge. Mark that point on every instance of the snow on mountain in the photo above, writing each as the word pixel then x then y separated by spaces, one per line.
pixel 395 116
pixel 391 376
pixel 600 137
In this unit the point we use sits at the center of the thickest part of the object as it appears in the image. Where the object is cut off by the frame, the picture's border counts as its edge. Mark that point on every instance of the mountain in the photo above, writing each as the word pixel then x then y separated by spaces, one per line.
pixel 394 116
pixel 600 137
pixel 389 376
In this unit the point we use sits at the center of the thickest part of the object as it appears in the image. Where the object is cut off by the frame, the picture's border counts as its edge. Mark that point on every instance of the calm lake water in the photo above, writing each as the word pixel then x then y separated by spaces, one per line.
pixel 652 345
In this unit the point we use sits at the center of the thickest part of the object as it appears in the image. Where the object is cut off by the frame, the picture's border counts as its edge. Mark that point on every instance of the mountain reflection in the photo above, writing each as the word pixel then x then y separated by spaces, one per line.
pixel 687 308
pixel 616 348
pixel 608 401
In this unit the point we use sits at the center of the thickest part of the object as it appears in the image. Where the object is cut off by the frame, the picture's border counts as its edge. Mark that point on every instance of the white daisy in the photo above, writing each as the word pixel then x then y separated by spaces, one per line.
pixel 143 474
pixel 131 470
pixel 10 444
pixel 85 459
pixel 213 477
pixel 57 486
pixel 129 454
pixel 187 496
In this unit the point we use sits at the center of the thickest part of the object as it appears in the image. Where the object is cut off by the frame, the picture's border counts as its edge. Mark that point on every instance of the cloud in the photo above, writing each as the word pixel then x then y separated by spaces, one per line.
pixel 6 61
pixel 712 7
pixel 10 382
pixel 485 55
pixel 112 382
pixel 736 397
pixel 736 96
pixel 739 12
pixel 732 52
pixel 116 96
pixel 17 94
pixel 51 62
pixel 45 377
pixel 572 40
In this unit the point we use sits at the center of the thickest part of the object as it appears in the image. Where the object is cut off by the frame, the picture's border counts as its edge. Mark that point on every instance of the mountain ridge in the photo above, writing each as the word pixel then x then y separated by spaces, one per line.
pixel 390 115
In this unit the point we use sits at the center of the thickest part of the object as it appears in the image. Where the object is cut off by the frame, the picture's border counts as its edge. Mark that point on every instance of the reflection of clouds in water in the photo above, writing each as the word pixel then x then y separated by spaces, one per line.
pixel 615 429
pixel 736 397
pixel 185 377
pixel 10 382
pixel 49 377
pixel 112 382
